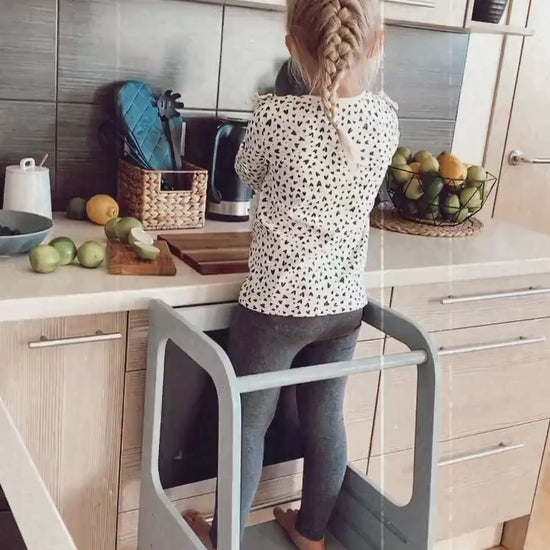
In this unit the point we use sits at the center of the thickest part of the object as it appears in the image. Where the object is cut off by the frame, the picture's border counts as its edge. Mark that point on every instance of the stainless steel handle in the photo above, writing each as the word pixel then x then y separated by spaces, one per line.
pixel 419 3
pixel 502 448
pixel 517 157
pixel 99 336
pixel 531 291
pixel 521 341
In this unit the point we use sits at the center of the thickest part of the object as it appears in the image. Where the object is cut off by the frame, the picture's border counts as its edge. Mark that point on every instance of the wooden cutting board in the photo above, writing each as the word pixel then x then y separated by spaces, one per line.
pixel 212 253
pixel 122 260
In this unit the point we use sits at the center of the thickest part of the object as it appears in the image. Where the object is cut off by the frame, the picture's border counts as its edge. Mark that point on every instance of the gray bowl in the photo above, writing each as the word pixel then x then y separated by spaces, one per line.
pixel 33 227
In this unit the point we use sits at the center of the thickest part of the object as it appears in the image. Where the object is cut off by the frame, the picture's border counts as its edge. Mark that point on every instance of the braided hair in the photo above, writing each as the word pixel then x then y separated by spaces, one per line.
pixel 337 35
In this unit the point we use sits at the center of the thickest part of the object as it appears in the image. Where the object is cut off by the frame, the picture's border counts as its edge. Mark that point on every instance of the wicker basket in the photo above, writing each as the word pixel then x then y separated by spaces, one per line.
pixel 141 194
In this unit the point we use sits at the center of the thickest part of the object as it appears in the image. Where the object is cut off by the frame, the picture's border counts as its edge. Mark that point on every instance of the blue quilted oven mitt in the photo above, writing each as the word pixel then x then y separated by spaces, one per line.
pixel 141 125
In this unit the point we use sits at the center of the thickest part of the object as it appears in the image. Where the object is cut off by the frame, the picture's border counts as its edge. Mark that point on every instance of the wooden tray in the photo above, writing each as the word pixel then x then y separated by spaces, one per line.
pixel 122 260
pixel 212 253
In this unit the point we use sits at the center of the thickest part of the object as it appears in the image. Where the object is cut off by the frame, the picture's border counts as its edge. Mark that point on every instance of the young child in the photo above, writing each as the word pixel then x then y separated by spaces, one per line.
pixel 317 162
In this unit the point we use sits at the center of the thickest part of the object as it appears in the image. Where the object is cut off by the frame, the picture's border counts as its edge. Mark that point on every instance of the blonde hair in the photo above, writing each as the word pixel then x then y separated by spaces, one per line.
pixel 338 35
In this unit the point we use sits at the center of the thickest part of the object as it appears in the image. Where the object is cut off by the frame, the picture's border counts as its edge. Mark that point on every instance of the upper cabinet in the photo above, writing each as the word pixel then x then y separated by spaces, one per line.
pixel 444 13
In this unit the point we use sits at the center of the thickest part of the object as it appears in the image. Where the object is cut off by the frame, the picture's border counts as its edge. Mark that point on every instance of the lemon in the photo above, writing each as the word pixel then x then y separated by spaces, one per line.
pixel 76 210
pixel 452 170
pixel 91 254
pixel 101 209
pixel 441 155
pixel 66 249
pixel 415 167
pixel 138 235
pixel 123 227
pixel 146 251
pixel 44 259
pixel 421 156
pixel 110 228
pixel 413 189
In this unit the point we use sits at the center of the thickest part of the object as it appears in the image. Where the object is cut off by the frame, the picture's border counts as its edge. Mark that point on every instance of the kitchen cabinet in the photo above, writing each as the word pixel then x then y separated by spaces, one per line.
pixel 62 381
pixel 483 480
pixel 447 13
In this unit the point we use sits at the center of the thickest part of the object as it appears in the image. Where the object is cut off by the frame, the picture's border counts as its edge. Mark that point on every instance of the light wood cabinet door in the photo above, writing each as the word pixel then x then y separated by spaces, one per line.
pixel 66 401
pixel 500 379
pixel 483 479
pixel 448 13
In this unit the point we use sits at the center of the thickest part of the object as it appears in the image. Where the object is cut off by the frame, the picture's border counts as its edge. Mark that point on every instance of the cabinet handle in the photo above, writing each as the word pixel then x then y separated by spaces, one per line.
pixel 501 448
pixel 419 3
pixel 99 336
pixel 531 291
pixel 521 341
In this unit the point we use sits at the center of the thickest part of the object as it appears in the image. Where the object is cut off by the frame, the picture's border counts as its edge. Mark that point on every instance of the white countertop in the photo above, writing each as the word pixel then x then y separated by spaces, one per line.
pixel 501 250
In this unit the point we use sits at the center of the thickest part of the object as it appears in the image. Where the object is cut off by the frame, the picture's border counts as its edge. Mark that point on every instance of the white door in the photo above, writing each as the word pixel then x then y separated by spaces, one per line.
pixel 524 190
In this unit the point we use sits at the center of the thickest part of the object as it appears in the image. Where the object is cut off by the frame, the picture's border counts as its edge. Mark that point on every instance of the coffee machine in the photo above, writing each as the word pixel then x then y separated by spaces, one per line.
pixel 228 197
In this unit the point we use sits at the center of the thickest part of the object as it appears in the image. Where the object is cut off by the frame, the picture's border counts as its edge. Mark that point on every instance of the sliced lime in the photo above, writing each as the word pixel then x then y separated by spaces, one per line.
pixel 138 235
pixel 146 251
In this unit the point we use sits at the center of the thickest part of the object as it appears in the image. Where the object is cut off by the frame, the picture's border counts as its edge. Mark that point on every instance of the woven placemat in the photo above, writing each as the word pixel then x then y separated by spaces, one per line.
pixel 391 220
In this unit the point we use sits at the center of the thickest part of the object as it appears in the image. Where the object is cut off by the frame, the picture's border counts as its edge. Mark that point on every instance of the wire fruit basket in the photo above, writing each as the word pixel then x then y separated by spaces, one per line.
pixel 432 199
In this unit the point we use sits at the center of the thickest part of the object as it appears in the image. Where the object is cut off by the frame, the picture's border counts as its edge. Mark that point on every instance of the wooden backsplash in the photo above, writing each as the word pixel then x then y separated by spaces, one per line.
pixel 60 58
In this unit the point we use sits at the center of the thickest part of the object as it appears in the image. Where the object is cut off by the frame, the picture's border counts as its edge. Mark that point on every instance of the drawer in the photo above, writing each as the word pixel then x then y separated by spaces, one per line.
pixel 475 303
pixel 483 479
pixel 482 390
pixel 359 409
pixel 138 332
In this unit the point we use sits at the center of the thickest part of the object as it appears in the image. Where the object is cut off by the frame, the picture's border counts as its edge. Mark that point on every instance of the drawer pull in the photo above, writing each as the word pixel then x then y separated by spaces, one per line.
pixel 99 336
pixel 531 291
pixel 502 448
pixel 419 3
pixel 521 341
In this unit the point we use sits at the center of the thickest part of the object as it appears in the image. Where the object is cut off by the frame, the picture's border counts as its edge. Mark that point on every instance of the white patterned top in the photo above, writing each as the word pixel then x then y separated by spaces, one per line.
pixel 310 233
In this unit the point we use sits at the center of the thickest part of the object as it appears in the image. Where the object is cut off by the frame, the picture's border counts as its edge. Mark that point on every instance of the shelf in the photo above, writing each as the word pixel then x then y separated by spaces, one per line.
pixel 491 28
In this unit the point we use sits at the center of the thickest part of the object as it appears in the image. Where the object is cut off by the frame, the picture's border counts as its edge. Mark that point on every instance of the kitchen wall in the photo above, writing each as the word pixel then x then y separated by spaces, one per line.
pixel 60 58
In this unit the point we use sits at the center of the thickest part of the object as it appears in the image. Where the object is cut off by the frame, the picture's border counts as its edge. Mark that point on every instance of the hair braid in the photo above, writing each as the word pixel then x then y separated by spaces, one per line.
pixel 337 34
pixel 341 39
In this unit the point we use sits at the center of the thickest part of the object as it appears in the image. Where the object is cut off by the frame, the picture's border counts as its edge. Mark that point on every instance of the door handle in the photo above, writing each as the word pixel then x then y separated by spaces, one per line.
pixel 516 157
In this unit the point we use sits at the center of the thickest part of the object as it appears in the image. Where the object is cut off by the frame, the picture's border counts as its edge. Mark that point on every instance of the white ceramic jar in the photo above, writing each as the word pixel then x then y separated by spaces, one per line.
pixel 27 188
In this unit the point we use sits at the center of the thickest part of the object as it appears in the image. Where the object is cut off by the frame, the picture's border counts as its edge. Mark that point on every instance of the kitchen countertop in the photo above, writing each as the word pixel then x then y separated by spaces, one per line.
pixel 501 250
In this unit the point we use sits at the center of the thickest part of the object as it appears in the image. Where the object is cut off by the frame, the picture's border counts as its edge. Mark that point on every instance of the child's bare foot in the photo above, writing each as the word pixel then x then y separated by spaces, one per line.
pixel 287 520
pixel 200 527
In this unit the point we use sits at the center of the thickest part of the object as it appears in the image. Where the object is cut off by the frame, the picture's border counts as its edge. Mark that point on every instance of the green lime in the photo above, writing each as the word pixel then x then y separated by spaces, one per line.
pixel 110 228
pixel 398 160
pixel 146 251
pixel 76 210
pixel 451 206
pixel 411 208
pixel 401 174
pixel 91 254
pixel 138 235
pixel 470 198
pixel 463 213
pixel 44 259
pixel 66 249
pixel 413 189
pixel 421 156
pixel 405 152
pixel 428 206
pixel 433 188
pixel 429 165
pixel 123 227
pixel 476 174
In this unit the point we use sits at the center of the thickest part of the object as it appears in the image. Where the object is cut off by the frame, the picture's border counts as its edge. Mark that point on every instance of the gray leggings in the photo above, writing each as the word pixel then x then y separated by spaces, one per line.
pixel 261 343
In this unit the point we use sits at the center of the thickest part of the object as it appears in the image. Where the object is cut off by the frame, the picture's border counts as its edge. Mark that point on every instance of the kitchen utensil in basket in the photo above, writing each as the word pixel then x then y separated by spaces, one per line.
pixel 140 194
pixel 431 199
